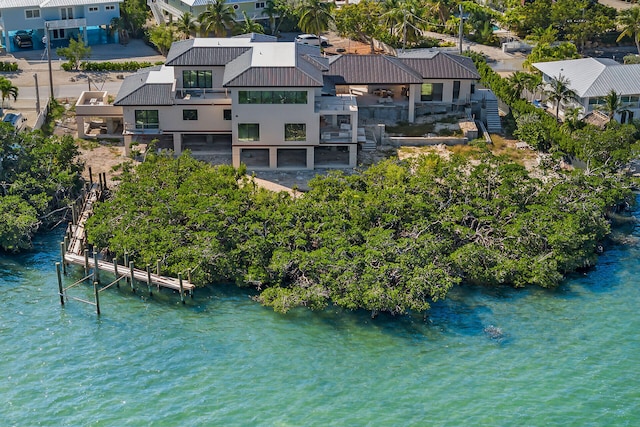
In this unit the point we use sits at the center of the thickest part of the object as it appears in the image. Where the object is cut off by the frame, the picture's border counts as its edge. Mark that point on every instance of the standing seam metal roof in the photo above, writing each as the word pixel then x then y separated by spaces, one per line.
pixel 442 66
pixel 136 91
pixel 371 69
pixel 206 56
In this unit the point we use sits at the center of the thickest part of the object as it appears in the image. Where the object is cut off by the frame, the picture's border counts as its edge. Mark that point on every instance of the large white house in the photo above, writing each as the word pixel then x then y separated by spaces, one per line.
pixel 280 104
pixel 592 79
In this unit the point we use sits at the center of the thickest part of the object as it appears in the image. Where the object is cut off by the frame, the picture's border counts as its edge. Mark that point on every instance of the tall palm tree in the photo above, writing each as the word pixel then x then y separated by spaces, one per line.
pixel 559 92
pixel 532 82
pixel 411 22
pixel 248 25
pixel 218 18
pixel 517 83
pixel 391 15
pixel 315 16
pixel 186 24
pixel 612 104
pixel 629 20
pixel 7 90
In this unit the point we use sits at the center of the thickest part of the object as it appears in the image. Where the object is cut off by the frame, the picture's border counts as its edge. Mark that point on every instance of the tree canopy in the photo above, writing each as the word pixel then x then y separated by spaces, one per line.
pixel 393 238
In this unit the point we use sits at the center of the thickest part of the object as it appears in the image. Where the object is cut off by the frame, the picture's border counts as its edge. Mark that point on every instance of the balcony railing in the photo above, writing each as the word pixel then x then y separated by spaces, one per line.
pixel 66 23
pixel 199 94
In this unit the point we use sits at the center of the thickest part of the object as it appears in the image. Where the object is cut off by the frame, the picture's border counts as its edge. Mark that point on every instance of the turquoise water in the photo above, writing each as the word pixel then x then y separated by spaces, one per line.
pixel 503 357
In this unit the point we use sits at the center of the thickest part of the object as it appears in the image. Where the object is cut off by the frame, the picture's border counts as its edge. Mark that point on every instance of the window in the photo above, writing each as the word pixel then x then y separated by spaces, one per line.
pixel 295 132
pixel 58 34
pixel 629 99
pixel 226 114
pixel 93 8
pixel 32 13
pixel 456 90
pixel 189 114
pixel 197 79
pixel 260 5
pixel 272 97
pixel 66 13
pixel 248 132
pixel 111 7
pixel 431 92
pixel 146 119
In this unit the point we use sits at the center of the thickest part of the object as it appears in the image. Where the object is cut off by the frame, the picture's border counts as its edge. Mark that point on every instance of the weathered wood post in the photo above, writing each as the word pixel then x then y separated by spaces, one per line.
pixel 96 270
pixel 100 181
pixel 158 272
pixel 86 261
pixel 149 278
pixel 115 270
pixel 74 215
pixel 66 243
pixel 181 288
pixel 126 263
pixel 90 176
pixel 131 268
pixel 64 266
pixel 96 292
pixel 104 180
pixel 60 289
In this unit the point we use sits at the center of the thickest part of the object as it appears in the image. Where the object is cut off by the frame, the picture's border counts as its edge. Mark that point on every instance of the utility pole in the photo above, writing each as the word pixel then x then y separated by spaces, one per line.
pixel 461 27
pixel 35 77
pixel 49 59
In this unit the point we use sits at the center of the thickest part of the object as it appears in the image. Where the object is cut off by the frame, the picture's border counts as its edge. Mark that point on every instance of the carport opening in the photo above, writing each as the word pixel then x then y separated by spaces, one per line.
pixel 255 157
pixel 207 143
pixel 292 158
pixel 333 156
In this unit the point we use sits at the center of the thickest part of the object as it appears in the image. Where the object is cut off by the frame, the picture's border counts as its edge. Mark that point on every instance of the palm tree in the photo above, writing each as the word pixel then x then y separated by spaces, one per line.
pixel 315 16
pixel 248 25
pixel 559 92
pixel 7 89
pixel 612 104
pixel 532 82
pixel 629 20
pixel 217 18
pixel 517 83
pixel 408 16
pixel 391 15
pixel 186 24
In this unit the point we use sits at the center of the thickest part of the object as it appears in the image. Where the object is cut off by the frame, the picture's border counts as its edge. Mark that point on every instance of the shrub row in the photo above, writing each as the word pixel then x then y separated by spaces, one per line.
pixel 110 66
pixel 8 66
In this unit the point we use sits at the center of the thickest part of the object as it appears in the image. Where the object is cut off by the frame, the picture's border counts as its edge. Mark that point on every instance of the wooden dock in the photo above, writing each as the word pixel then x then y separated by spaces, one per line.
pixel 74 251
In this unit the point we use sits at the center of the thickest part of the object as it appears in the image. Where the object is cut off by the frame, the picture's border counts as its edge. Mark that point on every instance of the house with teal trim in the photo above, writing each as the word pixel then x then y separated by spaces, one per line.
pixel 64 19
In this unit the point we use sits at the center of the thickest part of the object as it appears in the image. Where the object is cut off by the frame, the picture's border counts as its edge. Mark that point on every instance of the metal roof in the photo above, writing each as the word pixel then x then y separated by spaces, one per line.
pixel 371 69
pixel 185 55
pixel 8 4
pixel 595 77
pixel 62 3
pixel 443 66
pixel 150 86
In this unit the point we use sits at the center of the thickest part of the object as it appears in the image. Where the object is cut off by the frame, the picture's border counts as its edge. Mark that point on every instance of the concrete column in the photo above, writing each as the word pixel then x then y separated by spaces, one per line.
pixel 7 41
pixel 235 157
pixel 353 156
pixel 311 158
pixel 127 145
pixel 85 37
pixel 111 126
pixel 414 90
pixel 273 158
pixel 177 143
pixel 80 125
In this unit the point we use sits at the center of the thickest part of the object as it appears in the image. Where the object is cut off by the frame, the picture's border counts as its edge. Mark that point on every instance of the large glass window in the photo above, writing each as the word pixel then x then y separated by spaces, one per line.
pixel 189 114
pixel 146 119
pixel 431 92
pixel 272 97
pixel 295 132
pixel 248 132
pixel 198 79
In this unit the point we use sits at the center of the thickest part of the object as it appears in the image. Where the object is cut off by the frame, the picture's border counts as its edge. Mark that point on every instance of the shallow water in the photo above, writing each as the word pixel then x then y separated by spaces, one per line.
pixel 484 357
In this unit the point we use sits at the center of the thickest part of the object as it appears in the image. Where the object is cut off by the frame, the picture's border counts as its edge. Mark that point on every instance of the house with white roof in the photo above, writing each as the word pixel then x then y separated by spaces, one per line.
pixel 64 19
pixel 170 10
pixel 592 79
pixel 273 105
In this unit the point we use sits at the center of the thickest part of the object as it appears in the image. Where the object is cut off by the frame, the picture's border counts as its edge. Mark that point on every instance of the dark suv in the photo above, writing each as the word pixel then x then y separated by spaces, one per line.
pixel 23 39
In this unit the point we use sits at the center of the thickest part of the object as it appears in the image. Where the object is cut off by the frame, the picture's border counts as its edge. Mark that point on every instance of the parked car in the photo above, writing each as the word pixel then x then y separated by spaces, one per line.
pixel 23 39
pixel 312 39
pixel 16 120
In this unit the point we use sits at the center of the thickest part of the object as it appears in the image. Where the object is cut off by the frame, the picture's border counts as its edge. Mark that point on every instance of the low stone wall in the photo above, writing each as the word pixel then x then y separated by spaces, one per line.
pixel 417 141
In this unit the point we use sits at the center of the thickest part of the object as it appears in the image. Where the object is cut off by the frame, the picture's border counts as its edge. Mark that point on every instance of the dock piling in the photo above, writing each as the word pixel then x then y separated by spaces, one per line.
pixel 96 269
pixel 62 252
pixel 149 278
pixel 131 268
pixel 126 263
pixel 115 270
pixel 181 288
pixel 96 293
pixel 60 290
pixel 90 176
pixel 86 261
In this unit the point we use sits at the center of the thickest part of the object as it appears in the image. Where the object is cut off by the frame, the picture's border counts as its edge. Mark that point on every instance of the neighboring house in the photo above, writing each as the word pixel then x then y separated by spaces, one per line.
pixel 65 19
pixel 279 104
pixel 169 10
pixel 592 79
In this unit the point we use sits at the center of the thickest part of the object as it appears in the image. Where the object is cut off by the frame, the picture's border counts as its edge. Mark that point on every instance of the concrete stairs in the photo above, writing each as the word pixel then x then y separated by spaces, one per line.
pixel 494 124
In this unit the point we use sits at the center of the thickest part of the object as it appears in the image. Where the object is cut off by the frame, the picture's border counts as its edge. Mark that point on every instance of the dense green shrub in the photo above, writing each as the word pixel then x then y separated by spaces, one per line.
pixel 7 66
pixel 112 66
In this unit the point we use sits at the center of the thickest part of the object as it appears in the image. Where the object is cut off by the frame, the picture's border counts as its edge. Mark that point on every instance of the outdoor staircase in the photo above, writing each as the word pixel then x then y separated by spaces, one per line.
pixel 156 10
pixel 492 116
pixel 367 142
